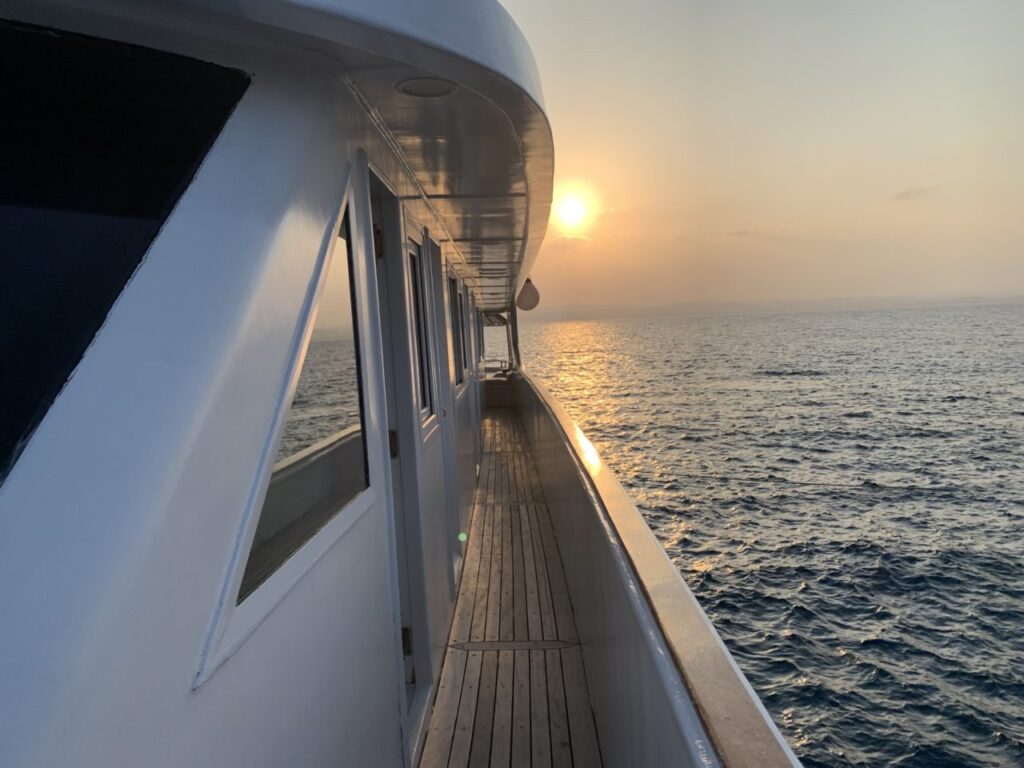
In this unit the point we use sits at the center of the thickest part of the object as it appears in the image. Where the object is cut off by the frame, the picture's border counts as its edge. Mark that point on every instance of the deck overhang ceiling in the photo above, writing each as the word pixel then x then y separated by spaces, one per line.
pixel 479 159
pixel 468 160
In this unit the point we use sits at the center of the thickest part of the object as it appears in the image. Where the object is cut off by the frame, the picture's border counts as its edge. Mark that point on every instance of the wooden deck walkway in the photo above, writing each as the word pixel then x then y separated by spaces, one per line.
pixel 513 691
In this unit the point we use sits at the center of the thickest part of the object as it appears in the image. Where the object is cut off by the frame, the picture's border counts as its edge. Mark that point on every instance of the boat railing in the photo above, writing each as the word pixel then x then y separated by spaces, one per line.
pixel 324 475
pixel 305 491
pixel 663 686
pixel 496 366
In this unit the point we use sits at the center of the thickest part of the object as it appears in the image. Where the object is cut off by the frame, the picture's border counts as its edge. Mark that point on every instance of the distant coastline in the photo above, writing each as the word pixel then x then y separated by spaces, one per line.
pixel 610 312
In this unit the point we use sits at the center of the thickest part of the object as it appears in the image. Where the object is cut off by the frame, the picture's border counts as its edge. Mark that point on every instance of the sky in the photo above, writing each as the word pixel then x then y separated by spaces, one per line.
pixel 334 308
pixel 755 150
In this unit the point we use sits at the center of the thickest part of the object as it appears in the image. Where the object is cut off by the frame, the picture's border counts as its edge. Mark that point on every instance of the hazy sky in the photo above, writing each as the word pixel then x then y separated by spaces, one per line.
pixel 774 149
pixel 334 311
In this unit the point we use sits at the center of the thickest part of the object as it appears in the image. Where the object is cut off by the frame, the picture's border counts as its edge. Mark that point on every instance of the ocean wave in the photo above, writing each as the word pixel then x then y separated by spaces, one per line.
pixel 855 539
pixel 808 373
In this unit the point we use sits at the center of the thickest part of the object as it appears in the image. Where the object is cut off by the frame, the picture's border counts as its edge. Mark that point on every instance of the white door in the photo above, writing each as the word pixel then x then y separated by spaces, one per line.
pixel 424 542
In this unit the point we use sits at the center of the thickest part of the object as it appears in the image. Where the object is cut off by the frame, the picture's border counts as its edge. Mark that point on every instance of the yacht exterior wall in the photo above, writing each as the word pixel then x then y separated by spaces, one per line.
pixel 125 524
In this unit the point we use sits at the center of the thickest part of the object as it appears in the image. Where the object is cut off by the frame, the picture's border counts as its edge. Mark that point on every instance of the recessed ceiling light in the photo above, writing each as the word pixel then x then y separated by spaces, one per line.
pixel 426 87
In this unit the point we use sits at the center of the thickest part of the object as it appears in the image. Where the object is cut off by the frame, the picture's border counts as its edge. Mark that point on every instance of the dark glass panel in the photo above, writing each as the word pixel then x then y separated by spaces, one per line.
pixel 321 460
pixel 98 140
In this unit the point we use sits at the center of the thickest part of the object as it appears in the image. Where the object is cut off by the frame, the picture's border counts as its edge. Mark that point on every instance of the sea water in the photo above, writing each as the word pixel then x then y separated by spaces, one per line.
pixel 844 492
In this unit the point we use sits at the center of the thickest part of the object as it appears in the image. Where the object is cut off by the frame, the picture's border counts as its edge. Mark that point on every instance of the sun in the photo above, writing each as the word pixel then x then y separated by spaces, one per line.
pixel 571 211
pixel 574 209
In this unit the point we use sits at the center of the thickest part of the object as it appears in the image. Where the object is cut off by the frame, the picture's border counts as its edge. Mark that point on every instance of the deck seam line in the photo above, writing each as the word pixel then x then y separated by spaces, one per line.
pixel 513 645
pixel 509 489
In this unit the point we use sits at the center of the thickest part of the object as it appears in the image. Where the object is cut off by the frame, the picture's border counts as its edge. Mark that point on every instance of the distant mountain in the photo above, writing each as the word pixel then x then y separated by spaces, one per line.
pixel 609 311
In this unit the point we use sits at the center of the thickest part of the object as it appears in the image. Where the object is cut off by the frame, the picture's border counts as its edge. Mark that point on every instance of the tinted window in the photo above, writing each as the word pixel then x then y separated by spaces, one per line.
pixel 479 336
pixel 321 459
pixel 419 326
pixel 458 340
pixel 98 140
pixel 464 335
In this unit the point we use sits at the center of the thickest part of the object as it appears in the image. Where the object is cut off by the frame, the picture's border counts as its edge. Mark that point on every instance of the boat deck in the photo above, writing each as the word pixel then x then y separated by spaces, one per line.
pixel 513 690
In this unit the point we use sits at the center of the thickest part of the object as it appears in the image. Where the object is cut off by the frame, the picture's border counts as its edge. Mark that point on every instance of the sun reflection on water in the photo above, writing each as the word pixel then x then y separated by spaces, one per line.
pixel 840 490
pixel 703 565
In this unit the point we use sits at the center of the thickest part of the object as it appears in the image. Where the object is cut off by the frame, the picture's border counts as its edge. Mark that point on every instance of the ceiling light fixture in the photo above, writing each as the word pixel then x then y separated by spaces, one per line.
pixel 426 87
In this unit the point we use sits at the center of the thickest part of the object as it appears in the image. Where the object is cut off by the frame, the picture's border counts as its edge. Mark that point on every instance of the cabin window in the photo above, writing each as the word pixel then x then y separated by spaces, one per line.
pixel 464 303
pixel 458 334
pixel 420 327
pixel 321 459
pixel 98 141
pixel 479 336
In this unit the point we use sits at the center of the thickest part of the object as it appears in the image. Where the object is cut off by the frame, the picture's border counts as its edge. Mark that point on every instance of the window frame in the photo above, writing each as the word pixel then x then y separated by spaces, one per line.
pixel 343 231
pixel 233 623
pixel 87 301
pixel 467 342
pixel 457 325
pixel 365 498
pixel 479 337
pixel 419 324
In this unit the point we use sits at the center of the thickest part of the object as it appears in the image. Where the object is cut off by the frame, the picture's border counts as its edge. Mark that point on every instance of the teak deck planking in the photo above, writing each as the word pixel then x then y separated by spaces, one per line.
pixel 513 689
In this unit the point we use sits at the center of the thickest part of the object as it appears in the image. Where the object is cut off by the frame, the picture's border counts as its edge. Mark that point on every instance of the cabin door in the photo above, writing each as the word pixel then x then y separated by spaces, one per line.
pixel 423 548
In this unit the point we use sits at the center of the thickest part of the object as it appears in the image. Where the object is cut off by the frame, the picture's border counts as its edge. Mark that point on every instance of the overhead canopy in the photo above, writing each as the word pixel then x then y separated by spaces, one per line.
pixel 481 156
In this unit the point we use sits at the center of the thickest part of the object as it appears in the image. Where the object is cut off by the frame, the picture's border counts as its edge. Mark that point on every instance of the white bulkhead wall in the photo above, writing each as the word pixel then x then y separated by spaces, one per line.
pixel 126 521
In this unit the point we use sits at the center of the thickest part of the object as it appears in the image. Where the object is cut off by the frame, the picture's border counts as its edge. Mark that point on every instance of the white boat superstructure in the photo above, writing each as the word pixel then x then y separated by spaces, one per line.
pixel 261 503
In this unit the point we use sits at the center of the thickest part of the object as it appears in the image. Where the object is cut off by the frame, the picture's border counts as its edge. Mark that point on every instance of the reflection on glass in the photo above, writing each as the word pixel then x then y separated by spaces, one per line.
pixel 455 320
pixel 327 397
pixel 321 460
pixel 463 322
pixel 419 327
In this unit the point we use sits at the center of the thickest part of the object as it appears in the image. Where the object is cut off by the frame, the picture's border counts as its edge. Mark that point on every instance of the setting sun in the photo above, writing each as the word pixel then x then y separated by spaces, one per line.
pixel 574 209
pixel 571 211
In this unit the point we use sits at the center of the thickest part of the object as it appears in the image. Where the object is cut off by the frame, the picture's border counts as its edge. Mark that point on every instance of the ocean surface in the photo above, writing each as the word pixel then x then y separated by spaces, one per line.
pixel 844 492
pixel 326 396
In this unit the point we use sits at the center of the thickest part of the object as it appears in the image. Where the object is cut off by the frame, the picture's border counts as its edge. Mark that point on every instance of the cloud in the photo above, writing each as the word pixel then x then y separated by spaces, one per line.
pixel 567 241
pixel 912 193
